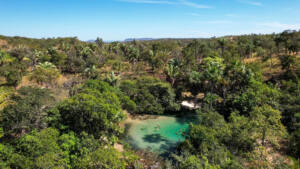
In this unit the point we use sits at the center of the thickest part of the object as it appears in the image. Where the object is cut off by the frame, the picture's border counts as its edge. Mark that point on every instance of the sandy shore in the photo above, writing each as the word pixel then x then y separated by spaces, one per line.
pixel 136 118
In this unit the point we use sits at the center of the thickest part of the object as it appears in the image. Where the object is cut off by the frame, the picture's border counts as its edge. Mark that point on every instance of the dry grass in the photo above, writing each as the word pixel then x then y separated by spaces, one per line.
pixel 3 43
pixel 271 68
pixel 59 91
pixel 251 60
pixel 2 80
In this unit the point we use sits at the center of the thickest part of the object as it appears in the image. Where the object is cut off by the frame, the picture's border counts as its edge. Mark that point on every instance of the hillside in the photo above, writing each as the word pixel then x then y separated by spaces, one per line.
pixel 64 102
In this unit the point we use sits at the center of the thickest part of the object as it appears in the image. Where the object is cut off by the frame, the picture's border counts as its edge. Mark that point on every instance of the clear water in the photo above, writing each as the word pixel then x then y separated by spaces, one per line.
pixel 159 135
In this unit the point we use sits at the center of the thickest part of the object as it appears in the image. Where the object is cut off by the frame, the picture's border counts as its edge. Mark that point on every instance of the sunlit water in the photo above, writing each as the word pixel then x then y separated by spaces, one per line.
pixel 159 135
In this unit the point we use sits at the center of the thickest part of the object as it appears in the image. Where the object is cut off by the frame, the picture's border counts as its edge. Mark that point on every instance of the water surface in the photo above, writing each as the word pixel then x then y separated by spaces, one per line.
pixel 161 134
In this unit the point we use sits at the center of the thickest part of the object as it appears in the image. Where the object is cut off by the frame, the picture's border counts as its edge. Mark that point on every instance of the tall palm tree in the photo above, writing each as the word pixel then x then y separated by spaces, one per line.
pixel 86 51
pixel 213 69
pixel 173 70
pixel 45 73
pixel 5 94
pixel 222 43
pixel 91 72
pixel 5 58
pixel 112 79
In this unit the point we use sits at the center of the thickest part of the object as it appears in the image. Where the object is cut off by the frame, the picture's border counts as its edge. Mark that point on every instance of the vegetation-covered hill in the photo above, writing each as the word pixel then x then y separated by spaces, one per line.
pixel 62 100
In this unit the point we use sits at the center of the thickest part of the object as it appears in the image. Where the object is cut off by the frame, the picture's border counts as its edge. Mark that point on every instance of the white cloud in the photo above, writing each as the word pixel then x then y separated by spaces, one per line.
pixel 176 2
pixel 216 22
pixel 254 3
pixel 279 25
pixel 192 4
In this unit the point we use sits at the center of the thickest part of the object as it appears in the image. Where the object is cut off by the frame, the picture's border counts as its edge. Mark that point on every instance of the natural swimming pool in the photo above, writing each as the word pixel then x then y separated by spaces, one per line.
pixel 160 134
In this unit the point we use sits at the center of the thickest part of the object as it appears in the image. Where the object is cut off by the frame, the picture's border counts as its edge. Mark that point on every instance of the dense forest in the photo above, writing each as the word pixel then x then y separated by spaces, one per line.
pixel 62 101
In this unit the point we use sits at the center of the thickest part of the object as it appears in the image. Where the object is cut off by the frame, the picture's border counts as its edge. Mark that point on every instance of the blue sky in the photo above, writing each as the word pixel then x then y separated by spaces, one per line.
pixel 120 19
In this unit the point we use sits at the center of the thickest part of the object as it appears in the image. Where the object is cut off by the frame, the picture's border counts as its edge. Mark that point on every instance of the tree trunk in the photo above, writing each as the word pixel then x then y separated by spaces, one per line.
pixel 195 101
pixel 210 104
pixel 172 82
pixel 223 49
pixel 271 58
pixel 263 137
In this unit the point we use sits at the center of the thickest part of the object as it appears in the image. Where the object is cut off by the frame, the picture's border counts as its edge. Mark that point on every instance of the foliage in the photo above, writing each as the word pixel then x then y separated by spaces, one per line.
pixel 28 111
pixel 106 158
pixel 45 73
pixel 150 95
pixel 267 122
pixel 95 110
pixel 294 146
pixel 112 79
pixel 5 94
pixel 193 162
pixel 240 122
pixel 173 70
pixel 12 66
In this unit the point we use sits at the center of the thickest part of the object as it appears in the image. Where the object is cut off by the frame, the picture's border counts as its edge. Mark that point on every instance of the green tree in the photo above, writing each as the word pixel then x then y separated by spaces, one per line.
pixel 157 61
pixel 193 162
pixel 112 79
pixel 93 111
pixel 28 111
pixel 45 73
pixel 256 94
pixel 213 69
pixel 12 70
pixel 5 58
pixel 20 53
pixel 91 72
pixel 287 62
pixel 42 149
pixel 204 141
pixel 104 158
pixel 99 42
pixel 241 131
pixel 58 58
pixel 132 54
pixel 75 63
pixel 245 46
pixel 5 95
pixel 222 44
pixel 151 95
pixel 267 122
pixel 192 54
pixel 173 70
pixel 294 143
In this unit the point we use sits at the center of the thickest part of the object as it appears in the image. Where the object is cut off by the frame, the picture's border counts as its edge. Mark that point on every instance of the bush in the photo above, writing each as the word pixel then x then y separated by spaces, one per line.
pixel 151 96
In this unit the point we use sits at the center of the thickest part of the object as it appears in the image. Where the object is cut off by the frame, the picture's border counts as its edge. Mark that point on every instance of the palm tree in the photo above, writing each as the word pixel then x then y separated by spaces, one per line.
pixel 5 94
pixel 99 42
pixel 91 72
pixel 133 55
pixel 173 70
pixel 86 51
pixel 112 79
pixel 5 58
pixel 222 43
pixel 213 69
pixel 45 73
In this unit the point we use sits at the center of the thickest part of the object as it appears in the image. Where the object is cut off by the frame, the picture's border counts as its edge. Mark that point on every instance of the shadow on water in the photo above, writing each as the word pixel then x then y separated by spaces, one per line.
pixel 164 145
pixel 155 138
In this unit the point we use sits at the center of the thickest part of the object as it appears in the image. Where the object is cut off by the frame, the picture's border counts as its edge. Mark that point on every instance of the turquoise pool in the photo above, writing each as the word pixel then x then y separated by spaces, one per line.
pixel 161 134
